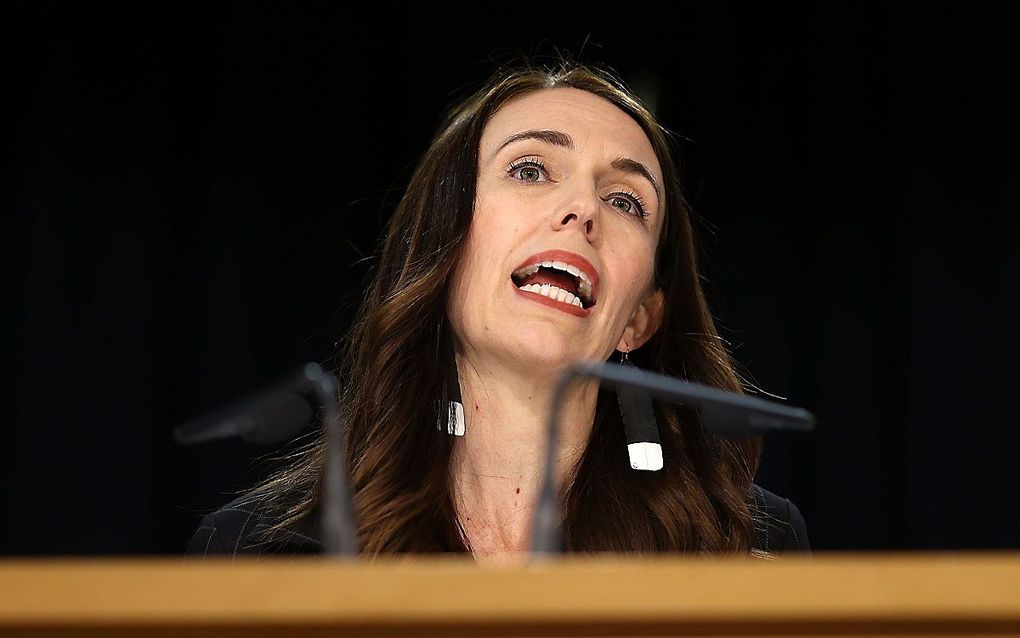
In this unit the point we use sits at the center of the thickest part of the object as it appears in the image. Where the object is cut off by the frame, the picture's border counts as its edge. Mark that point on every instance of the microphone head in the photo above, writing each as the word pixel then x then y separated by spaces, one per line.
pixel 269 418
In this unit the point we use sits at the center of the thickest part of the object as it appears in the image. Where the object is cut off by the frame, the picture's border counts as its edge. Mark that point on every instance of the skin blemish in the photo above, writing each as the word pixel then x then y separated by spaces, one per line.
pixel 476 407
pixel 518 490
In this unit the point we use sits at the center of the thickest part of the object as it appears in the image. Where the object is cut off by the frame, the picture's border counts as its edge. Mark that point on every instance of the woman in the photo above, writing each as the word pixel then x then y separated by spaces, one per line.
pixel 545 224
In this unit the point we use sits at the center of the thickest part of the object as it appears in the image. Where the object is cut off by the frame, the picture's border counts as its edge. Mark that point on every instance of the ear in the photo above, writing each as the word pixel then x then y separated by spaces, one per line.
pixel 644 322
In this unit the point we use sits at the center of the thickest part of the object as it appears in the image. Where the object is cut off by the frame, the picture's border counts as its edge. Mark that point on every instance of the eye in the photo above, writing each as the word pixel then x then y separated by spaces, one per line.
pixel 527 170
pixel 628 202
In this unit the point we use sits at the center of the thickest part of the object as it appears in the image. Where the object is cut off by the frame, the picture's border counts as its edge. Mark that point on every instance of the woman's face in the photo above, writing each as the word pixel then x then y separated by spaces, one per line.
pixel 567 179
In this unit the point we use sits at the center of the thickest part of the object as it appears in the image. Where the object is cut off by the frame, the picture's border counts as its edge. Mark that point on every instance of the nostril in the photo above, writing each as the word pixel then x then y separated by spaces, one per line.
pixel 587 226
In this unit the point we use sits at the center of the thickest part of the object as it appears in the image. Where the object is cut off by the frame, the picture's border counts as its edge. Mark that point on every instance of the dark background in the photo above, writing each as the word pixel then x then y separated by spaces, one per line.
pixel 198 192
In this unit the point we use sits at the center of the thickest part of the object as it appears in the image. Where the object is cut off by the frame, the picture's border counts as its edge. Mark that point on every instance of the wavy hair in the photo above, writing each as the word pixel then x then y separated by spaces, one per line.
pixel 393 366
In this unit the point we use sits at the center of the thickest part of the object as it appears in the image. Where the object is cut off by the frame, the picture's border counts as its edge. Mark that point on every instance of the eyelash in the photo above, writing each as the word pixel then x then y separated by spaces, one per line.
pixel 635 199
pixel 516 165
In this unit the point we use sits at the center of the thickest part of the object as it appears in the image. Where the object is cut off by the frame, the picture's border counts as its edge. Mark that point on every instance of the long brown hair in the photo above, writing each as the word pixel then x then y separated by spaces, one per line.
pixel 393 365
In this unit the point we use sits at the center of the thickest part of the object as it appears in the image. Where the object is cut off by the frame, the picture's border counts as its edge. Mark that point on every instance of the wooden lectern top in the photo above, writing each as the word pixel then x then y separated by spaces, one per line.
pixel 850 594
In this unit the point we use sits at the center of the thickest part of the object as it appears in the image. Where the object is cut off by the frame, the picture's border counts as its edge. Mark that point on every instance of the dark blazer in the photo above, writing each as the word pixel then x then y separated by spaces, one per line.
pixel 232 530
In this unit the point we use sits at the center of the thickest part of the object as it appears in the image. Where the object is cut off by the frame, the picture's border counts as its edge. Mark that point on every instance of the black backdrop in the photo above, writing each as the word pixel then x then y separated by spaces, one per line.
pixel 198 192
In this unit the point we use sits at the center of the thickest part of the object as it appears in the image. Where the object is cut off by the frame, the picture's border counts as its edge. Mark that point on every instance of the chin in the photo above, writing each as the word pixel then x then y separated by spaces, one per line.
pixel 544 349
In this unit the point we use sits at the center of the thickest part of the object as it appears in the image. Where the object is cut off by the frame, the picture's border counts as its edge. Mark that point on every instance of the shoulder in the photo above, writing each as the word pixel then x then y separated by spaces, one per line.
pixel 778 522
pixel 242 527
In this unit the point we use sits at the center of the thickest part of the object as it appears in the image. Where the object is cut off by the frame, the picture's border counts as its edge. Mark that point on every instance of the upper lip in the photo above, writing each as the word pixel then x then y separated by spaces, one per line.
pixel 571 259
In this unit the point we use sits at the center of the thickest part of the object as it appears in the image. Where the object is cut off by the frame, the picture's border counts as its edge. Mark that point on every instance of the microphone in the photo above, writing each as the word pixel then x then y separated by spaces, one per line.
pixel 726 414
pixel 274 414
pixel 277 414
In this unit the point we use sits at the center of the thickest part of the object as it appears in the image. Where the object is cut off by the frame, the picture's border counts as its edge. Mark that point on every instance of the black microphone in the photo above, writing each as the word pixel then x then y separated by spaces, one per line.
pixel 277 414
pixel 274 414
pixel 726 414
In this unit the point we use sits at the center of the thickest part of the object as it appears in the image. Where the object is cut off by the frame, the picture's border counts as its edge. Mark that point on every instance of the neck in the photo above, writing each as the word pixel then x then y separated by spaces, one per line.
pixel 497 466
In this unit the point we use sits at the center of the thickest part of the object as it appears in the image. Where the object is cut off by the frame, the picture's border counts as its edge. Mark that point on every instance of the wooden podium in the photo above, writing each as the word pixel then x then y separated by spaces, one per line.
pixel 824 595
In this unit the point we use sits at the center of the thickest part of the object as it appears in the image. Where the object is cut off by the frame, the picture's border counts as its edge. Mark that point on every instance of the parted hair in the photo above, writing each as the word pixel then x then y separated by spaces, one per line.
pixel 393 368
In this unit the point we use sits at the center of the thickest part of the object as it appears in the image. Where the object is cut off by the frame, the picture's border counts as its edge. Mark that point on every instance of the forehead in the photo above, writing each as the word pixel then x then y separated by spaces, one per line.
pixel 594 123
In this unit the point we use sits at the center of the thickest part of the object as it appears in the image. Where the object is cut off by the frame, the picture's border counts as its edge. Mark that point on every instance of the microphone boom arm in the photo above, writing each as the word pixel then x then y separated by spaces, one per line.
pixel 727 414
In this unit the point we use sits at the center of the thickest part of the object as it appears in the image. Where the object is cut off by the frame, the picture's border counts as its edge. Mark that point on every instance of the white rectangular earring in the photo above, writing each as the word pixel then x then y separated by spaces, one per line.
pixel 644 447
pixel 455 422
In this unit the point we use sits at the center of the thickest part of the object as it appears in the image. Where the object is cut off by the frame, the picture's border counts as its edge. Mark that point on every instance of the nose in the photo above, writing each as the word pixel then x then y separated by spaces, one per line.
pixel 580 210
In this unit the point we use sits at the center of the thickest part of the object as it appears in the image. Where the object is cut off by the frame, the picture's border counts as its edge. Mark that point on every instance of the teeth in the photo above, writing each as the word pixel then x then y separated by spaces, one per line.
pixel 558 265
pixel 527 270
pixel 584 287
pixel 554 292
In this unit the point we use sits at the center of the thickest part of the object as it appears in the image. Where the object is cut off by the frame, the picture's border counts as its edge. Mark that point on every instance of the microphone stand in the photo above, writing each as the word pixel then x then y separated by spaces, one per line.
pixel 339 530
pixel 727 414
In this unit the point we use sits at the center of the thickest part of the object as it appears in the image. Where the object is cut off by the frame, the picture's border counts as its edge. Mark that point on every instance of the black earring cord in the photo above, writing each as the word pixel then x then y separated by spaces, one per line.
pixel 455 423
pixel 644 447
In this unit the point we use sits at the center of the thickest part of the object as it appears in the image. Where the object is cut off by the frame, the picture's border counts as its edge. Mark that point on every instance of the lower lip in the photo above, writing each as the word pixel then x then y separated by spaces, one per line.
pixel 552 303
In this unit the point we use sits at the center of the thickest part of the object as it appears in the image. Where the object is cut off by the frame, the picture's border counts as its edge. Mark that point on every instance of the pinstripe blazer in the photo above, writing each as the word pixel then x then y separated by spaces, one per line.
pixel 234 529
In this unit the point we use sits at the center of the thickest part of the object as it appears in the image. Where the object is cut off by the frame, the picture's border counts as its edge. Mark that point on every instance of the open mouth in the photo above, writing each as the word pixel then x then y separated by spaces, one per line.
pixel 558 281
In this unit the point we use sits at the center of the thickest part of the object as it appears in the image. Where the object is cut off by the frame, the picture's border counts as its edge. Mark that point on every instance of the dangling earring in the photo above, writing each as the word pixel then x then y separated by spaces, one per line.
pixel 455 423
pixel 643 444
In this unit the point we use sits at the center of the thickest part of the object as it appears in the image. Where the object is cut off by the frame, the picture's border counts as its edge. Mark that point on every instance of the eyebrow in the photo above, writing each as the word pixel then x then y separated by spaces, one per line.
pixel 558 138
pixel 628 165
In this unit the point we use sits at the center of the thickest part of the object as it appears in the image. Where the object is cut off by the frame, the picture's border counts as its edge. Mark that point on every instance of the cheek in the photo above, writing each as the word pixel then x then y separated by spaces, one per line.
pixel 491 240
pixel 632 266
pixel 495 234
pixel 495 212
